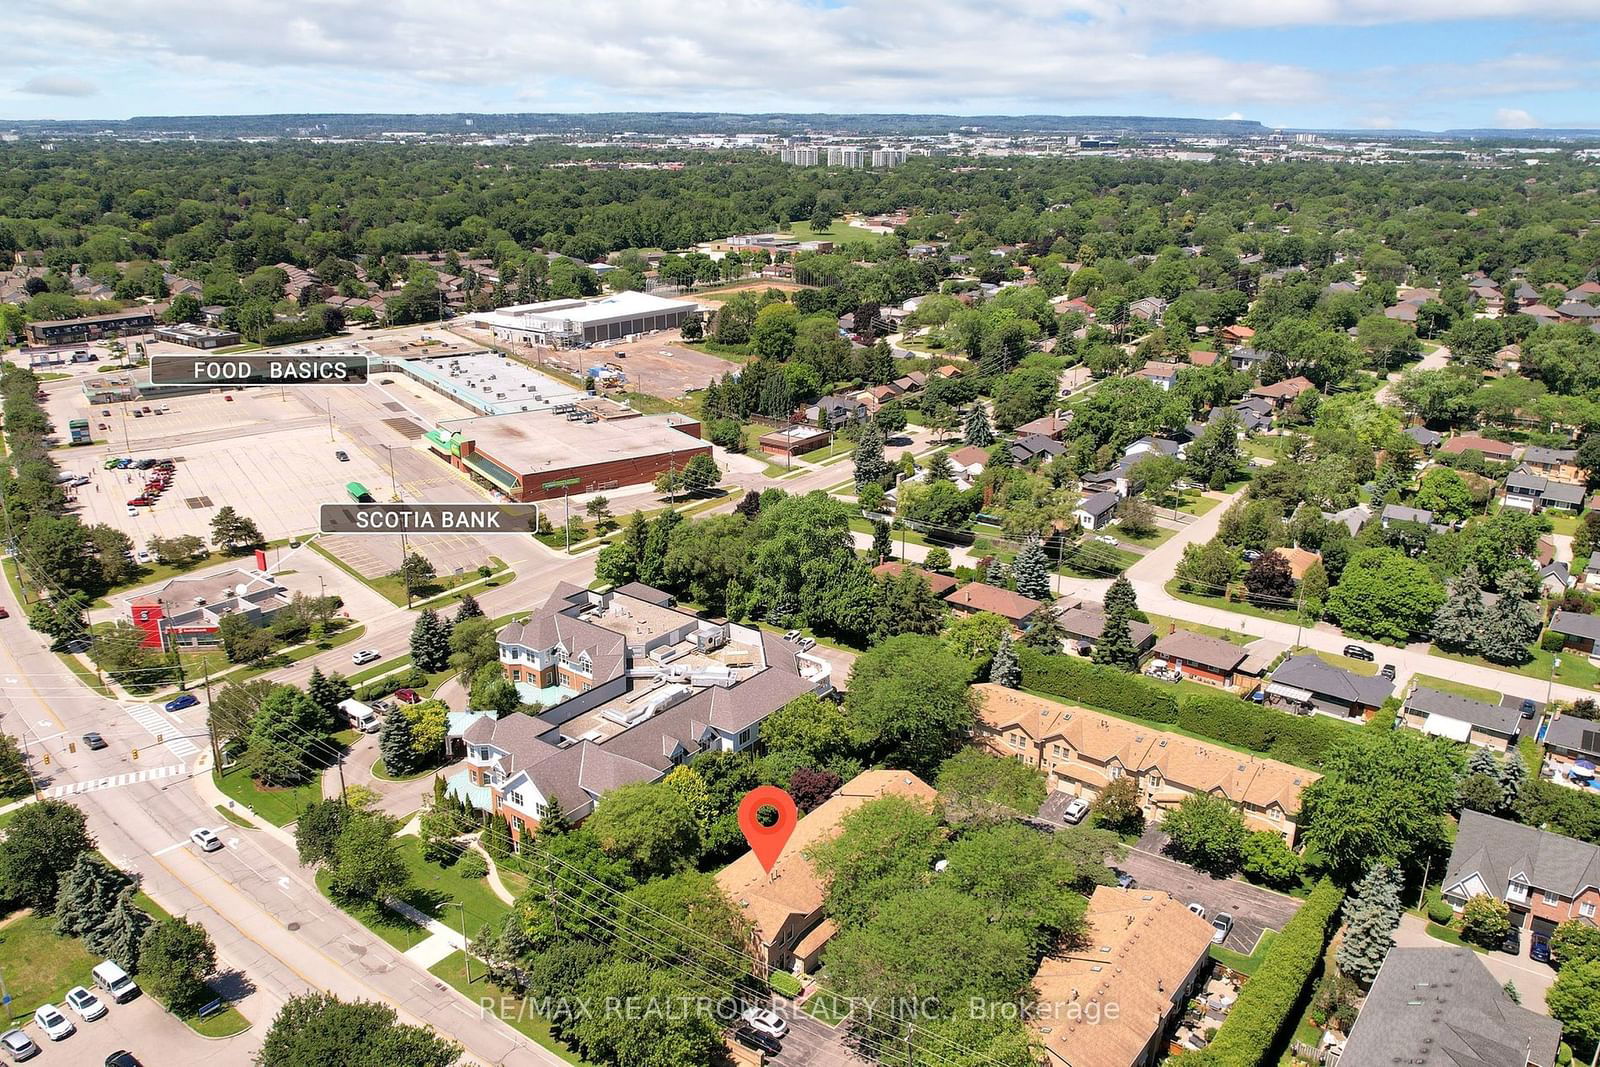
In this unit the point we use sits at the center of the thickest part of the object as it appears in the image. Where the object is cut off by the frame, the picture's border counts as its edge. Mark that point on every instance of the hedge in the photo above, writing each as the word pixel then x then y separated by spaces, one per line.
pixel 1077 679
pixel 1250 1035
pixel 1299 739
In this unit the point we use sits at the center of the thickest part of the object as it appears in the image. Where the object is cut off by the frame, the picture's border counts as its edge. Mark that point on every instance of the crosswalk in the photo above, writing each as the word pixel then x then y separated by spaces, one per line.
pixel 167 727
pixel 94 785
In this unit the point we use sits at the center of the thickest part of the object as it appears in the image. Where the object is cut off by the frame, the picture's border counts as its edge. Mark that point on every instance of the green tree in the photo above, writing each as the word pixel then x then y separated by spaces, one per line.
pixel 282 747
pixel 870 466
pixel 1485 920
pixel 978 788
pixel 908 702
pixel 1445 493
pixel 41 845
pixel 811 730
pixel 120 936
pixel 61 618
pixel 1371 914
pixel 1004 668
pixel 1031 571
pixel 650 827
pixel 233 533
pixel 1385 594
pixel 1458 625
pixel 416 572
pixel 1265 859
pixel 1574 1001
pixel 366 863
pixel 87 895
pixel 977 431
pixel 320 1030
pixel 1575 941
pixel 700 473
pixel 1116 808
pixel 1115 647
pixel 884 848
pixel 175 959
pixel 642 1039
pixel 316 831
pixel 1206 831
pixel 430 642
pixel 1512 623
pixel 467 607
pixel 397 744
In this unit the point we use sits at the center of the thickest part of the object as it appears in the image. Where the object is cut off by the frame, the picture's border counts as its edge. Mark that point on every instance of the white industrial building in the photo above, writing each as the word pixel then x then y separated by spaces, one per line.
pixel 572 323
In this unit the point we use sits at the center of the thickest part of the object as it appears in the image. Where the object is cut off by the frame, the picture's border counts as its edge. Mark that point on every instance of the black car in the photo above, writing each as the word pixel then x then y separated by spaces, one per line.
pixel 342 456
pixel 751 1038
pixel 1527 709
pixel 94 741
pixel 1512 942
pixel 1357 652
pixel 121 1058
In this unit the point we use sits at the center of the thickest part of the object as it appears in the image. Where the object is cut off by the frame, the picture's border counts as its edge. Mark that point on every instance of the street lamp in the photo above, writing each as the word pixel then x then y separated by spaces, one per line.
pixel 466 954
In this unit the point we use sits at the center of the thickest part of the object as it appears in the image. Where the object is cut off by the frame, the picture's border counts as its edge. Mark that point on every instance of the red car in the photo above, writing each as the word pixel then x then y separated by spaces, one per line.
pixel 139 502
pixel 407 696
pixel 4 614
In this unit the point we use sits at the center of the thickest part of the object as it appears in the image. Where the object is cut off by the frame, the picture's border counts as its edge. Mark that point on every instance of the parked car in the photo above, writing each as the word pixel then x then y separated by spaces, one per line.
pixel 206 839
pixel 765 1020
pixel 85 1004
pixel 1387 670
pixel 1539 949
pixel 1105 539
pixel 366 655
pixel 4 613
pixel 342 456
pixel 94 741
pixel 121 1058
pixel 1527 709
pixel 181 701
pixel 1077 808
pixel 754 1039
pixel 1198 908
pixel 1251 555
pixel 111 978
pixel 18 1045
pixel 1512 942
pixel 1221 927
pixel 408 696
pixel 56 1026
pixel 139 502
pixel 1126 881
pixel 1358 652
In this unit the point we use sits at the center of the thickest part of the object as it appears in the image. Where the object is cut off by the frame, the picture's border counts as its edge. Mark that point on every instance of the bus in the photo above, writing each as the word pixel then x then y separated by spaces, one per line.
pixel 358 493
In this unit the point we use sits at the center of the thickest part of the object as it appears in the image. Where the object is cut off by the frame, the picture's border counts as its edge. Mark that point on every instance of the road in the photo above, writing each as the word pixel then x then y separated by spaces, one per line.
pixel 262 910
pixel 1150 575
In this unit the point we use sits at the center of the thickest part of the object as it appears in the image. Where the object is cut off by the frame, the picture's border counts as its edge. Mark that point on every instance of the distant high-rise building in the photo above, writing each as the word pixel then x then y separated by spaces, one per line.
pixel 888 157
pixel 847 157
pixel 800 157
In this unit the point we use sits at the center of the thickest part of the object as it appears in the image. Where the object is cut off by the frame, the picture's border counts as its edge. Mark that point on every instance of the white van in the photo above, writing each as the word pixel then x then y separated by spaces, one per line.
pixel 115 981
pixel 361 716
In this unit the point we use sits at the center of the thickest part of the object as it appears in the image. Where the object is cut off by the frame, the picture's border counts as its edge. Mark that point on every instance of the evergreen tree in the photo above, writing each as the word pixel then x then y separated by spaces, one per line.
pixel 1004 668
pixel 998 575
pixel 467 609
pixel 1046 634
pixel 430 642
pixel 1513 774
pixel 1115 647
pixel 87 894
pixel 977 431
pixel 1000 456
pixel 1458 624
pixel 497 839
pixel 1031 571
pixel 120 935
pixel 882 542
pixel 1370 916
pixel 554 823
pixel 871 468
pixel 939 468
pixel 1512 624
pixel 1121 597
pixel 396 744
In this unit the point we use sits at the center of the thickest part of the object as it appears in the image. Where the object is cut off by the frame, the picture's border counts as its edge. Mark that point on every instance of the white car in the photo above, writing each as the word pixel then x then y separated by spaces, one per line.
pixel 1076 810
pixel 143 556
pixel 766 1020
pixel 208 841
pixel 1105 539
pixel 366 655
pixel 55 1025
pixel 84 1004
pixel 1198 908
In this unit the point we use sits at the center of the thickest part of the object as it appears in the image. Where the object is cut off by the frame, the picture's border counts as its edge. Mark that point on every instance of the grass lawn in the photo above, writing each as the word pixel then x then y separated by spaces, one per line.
pixel 1095 560
pixel 514 1010
pixel 289 655
pixel 1239 607
pixel 235 819
pixel 1163 624
pixel 434 891
pixel 1199 504
pixel 1245 965
pixel 1562 522
pixel 394 928
pixel 828 1008
pixel 40 965
pixel 7 816
pixel 391 589
pixel 1575 669
pixel 278 806
pixel 1354 666
pixel 1149 540
pixel 379 771
pixel 1460 689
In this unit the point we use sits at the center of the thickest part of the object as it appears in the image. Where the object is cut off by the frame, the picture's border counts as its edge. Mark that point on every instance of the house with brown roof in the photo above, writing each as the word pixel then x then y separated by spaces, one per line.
pixel 980 596
pixel 1201 358
pixel 1300 560
pixel 1281 394
pixel 1162 375
pixel 1085 623
pixel 784 906
pixel 939 583
pixel 1052 425
pixel 1492 450
pixel 1110 999
pixel 1235 335
pixel 970 460
pixel 1082 751
pixel 1200 658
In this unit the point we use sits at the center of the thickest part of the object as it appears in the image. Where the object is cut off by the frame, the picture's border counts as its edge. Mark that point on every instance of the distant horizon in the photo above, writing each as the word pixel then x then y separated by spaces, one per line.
pixel 1430 65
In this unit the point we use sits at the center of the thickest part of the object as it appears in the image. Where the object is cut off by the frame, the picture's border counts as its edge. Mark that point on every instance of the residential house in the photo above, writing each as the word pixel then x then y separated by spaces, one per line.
pixel 1544 315
pixel 1310 684
pixel 1245 358
pixel 1402 312
pixel 1426 438
pixel 1052 425
pixel 1152 446
pixel 911 382
pixel 1442 1006
pixel 1282 394
pixel 832 412
pixel 1034 448
pixel 1110 999
pixel 1527 491
pixel 1523 294
pixel 1162 375
pixel 974 597
pixel 969 461
pixel 1082 751
pixel 1580 632
pixel 1459 718
pixel 947 371
pixel 1118 480
pixel 1578 311
pixel 1591 571
pixel 1560 464
pixel 1555 578
pixel 1148 308
pixel 1202 358
pixel 784 906
pixel 1399 513
pixel 631 686
pixel 1200 658
pixel 1095 511
pixel 1084 623
pixel 1254 414
pixel 1354 518
pixel 1300 560
pixel 940 584
pixel 1236 335
pixel 1543 877
pixel 1492 450
pixel 1570 742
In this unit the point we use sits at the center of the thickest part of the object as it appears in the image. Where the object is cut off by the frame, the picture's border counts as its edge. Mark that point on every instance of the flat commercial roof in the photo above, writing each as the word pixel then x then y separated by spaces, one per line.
pixel 539 441
pixel 490 382
pixel 618 307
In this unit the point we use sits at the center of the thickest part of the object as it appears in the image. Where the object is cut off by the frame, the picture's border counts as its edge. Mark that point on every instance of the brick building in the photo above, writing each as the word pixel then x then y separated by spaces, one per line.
pixel 1544 878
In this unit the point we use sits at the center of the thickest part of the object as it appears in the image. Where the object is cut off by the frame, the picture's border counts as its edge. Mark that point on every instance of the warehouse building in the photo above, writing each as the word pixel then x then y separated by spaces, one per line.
pixel 542 455
pixel 574 323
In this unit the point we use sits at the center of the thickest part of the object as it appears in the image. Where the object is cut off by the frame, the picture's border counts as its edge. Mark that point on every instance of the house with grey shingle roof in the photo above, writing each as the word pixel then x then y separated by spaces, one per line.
pixel 1544 878
pixel 1310 683
pixel 1581 631
pixel 1461 718
pixel 1440 1007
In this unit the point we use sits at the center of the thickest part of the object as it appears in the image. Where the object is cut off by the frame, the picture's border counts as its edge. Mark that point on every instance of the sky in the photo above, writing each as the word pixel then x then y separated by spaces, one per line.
pixel 1362 64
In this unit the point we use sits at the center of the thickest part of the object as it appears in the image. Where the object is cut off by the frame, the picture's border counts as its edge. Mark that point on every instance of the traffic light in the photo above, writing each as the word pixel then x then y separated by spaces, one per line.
pixel 72 746
pixel 47 759
pixel 136 754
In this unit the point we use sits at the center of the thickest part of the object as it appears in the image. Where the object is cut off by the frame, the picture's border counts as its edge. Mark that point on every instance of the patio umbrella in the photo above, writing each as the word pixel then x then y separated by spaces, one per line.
pixel 1583 769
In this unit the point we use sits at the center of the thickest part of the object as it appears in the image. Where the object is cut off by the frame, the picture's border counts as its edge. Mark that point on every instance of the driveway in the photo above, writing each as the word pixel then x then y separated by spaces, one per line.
pixel 812 1043
pixel 1254 909
pixel 1531 979
pixel 143 1028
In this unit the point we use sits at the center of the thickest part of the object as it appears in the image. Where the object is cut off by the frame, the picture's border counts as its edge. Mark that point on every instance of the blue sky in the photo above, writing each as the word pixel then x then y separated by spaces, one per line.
pixel 1306 63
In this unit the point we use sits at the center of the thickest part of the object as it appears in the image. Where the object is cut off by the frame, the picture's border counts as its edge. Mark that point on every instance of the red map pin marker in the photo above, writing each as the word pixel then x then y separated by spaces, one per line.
pixel 767 841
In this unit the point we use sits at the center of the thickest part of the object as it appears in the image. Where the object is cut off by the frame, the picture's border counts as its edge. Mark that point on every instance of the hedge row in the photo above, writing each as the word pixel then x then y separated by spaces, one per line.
pixel 1076 679
pixel 1266 1005
pixel 1299 739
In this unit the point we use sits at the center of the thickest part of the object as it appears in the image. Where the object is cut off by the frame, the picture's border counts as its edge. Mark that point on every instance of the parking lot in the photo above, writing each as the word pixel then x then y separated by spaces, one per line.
pixel 811 1042
pixel 661 366
pixel 142 1027
pixel 1254 909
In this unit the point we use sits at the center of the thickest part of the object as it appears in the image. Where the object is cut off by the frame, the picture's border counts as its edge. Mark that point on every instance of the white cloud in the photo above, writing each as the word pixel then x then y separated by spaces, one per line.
pixel 57 85
pixel 1514 118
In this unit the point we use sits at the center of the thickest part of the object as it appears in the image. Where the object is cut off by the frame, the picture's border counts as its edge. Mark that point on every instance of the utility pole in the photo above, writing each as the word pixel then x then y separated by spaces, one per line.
pixel 466 955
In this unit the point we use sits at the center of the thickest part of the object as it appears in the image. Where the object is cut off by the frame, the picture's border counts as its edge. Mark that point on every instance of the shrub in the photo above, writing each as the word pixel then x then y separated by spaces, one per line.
pixel 1485 920
pixel 1267 1003
pixel 1441 912
pixel 1552 641
pixel 785 984
pixel 472 866
pixel 1096 686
